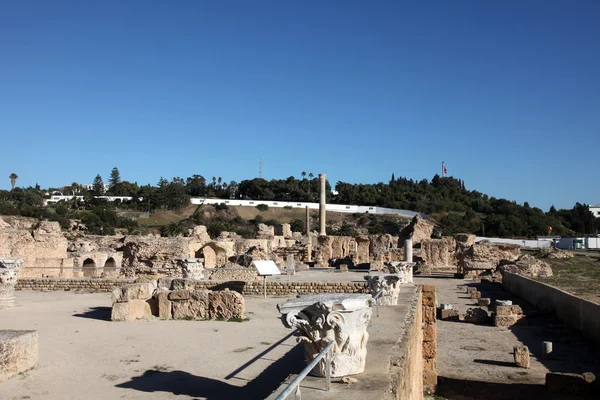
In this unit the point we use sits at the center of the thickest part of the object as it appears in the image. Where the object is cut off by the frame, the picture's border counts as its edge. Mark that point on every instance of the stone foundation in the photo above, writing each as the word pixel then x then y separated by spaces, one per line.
pixel 18 352
pixel 429 338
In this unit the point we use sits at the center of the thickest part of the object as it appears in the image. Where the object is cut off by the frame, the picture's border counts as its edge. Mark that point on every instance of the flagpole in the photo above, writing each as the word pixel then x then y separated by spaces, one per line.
pixel 443 173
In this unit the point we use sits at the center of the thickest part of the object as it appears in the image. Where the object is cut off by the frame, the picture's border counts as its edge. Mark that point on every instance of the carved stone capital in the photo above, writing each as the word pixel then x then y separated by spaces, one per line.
pixel 390 284
pixel 192 268
pixel 401 268
pixel 339 318
pixel 9 271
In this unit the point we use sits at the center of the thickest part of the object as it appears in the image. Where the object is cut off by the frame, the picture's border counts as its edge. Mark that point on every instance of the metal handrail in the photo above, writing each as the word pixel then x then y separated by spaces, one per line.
pixel 295 384
pixel 376 302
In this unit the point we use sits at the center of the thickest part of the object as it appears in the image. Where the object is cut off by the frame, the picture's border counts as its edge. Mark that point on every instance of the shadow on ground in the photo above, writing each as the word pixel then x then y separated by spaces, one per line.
pixel 184 383
pixel 456 389
pixel 100 313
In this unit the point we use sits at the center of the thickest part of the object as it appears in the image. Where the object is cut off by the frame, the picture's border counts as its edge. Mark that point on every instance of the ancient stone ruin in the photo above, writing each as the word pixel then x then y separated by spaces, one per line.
pixel 9 271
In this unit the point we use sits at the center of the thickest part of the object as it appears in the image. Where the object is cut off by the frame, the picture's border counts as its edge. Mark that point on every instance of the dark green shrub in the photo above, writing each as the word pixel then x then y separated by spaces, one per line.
pixel 262 207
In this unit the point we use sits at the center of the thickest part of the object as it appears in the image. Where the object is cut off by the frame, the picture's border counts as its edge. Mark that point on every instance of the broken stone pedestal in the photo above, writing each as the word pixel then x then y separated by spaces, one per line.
pixel 18 352
pixel 521 356
pixel 321 319
pixel 192 268
pixel 390 284
pixel 401 268
pixel 9 269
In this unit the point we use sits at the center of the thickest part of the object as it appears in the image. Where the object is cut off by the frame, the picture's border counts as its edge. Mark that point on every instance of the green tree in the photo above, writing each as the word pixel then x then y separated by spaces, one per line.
pixel 115 177
pixel 303 174
pixel 98 185
pixel 13 180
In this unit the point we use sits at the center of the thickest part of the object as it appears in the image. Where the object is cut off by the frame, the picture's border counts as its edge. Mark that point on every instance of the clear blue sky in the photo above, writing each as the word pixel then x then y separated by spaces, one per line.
pixel 507 93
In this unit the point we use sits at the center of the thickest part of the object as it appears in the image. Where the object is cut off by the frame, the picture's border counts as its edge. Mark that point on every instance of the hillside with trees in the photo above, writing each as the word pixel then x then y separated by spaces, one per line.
pixel 446 200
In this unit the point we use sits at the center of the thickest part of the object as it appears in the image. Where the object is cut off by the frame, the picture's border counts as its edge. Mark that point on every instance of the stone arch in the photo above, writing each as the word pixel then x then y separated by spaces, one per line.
pixel 214 255
pixel 89 268
pixel 110 267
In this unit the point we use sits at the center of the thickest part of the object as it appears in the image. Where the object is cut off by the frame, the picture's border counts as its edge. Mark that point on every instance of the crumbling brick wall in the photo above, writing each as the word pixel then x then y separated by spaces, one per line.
pixel 429 338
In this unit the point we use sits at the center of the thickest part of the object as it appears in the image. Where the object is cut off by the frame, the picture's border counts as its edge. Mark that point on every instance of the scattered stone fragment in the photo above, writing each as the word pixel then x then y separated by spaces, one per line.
pixel 477 315
pixel 521 355
pixel 448 315
pixel 476 295
pixel 571 384
pixel 503 303
pixel 349 380
pixel 484 302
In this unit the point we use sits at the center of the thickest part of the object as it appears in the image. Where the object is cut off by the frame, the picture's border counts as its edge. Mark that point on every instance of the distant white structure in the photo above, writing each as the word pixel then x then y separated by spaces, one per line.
pixel 312 206
pixel 56 198
pixel 595 210
pixel 90 186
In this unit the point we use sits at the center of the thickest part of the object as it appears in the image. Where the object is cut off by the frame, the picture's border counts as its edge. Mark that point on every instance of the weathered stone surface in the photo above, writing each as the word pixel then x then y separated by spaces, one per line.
pixel 131 310
pixel 429 316
pixel 18 352
pixel 487 255
pixel 439 253
pixel 389 284
pixel 476 295
pixel 226 304
pixel 418 230
pixel 134 291
pixel 9 271
pixel 477 316
pixel 429 349
pixel 552 252
pixel 509 310
pixel 528 266
pixel 265 232
pixel 192 268
pixel 142 253
pixel 484 301
pixel 521 356
pixel 429 333
pixel 180 294
pixel 449 315
pixel 165 307
pixel 194 308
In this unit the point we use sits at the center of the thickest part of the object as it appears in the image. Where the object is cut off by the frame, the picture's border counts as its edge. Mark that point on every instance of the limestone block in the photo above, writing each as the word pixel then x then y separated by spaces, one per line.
pixel 509 310
pixel 521 355
pixel 181 294
pixel 226 304
pixel 165 283
pixel 477 316
pixel 476 295
pixel 506 321
pixel 429 349
pixel 429 333
pixel 484 301
pixel 134 291
pixel 131 310
pixel 430 365
pixel 449 315
pixel 429 315
pixel 18 352
pixel 429 299
pixel 194 308
pixel 165 307
pixel 177 284
pixel 471 289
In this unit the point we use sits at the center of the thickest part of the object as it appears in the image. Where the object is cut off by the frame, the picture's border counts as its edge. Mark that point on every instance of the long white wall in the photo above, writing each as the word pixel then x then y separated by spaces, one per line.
pixel 524 243
pixel 312 206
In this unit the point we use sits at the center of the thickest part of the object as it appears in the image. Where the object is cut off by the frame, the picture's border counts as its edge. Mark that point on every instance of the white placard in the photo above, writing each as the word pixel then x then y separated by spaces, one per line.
pixel 266 267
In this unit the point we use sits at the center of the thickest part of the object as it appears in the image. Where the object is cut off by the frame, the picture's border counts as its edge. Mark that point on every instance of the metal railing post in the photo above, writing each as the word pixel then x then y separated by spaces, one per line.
pixel 328 370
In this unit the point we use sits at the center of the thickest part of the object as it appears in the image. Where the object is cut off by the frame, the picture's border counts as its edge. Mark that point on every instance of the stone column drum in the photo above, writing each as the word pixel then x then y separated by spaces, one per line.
pixel 321 319
pixel 192 268
pixel 401 268
pixel 408 250
pixel 322 204
pixel 9 269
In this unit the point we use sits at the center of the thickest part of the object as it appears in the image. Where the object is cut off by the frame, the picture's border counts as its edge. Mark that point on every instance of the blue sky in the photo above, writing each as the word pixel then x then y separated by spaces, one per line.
pixel 507 93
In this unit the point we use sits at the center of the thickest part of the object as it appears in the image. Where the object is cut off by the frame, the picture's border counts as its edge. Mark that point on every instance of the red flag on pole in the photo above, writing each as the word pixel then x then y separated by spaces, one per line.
pixel 444 170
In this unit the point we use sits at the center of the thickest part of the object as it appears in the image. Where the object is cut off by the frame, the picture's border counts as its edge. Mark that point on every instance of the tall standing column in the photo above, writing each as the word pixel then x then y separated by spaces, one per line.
pixel 408 250
pixel 307 221
pixel 322 204
pixel 9 270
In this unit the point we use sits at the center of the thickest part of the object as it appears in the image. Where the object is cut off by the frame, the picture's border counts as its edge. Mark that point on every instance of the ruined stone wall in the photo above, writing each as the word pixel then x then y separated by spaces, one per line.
pixel 406 367
pixel 439 253
pixel 245 288
pixel 429 338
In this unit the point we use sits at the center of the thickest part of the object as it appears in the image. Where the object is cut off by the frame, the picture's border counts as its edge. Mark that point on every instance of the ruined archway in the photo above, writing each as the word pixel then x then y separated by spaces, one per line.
pixel 214 255
pixel 110 267
pixel 89 268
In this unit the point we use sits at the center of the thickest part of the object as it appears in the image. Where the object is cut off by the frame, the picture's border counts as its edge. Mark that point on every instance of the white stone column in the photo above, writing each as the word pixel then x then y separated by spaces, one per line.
pixel 390 284
pixel 307 221
pixel 322 204
pixel 9 270
pixel 408 250
pixel 192 268
pixel 321 319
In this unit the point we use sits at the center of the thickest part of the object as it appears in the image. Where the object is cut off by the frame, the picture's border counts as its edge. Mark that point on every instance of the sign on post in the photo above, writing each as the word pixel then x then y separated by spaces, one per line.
pixel 266 268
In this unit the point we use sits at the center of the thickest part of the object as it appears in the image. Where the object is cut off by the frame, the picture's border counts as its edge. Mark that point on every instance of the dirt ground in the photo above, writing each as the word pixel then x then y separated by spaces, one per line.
pixel 579 275
pixel 476 361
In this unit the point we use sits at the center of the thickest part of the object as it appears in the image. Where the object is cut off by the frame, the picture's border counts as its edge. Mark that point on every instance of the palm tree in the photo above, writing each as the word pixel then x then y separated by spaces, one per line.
pixel 311 175
pixel 13 180
pixel 220 181
pixel 303 174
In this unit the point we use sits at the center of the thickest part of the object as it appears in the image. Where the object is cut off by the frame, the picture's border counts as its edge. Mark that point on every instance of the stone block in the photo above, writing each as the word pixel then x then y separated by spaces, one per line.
pixel 428 288
pixel 506 320
pixel 18 352
pixel 165 283
pixel 477 316
pixel 165 307
pixel 571 384
pixel 131 310
pixel 521 355
pixel 449 315
pixel 509 310
pixel 180 294
pixel 471 289
pixel 429 315
pixel 429 333
pixel 484 301
pixel 429 380
pixel 475 295
pixel 429 349
pixel 430 365
pixel 226 305
pixel 134 291
pixel 190 309
pixel 428 299
pixel 177 284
